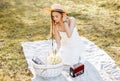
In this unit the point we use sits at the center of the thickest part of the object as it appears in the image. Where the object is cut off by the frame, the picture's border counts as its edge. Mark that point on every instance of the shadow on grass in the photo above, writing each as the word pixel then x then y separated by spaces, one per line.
pixel 79 16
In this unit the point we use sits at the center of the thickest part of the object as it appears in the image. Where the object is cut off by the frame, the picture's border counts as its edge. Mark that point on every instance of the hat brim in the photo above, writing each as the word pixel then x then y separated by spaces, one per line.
pixel 49 10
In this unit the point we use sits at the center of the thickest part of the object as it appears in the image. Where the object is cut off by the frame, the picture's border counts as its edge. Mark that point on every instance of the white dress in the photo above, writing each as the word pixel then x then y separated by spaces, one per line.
pixel 71 48
pixel 99 66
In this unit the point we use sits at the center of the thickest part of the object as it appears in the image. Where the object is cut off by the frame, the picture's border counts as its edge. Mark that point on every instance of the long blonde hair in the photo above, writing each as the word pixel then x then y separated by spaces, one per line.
pixel 52 28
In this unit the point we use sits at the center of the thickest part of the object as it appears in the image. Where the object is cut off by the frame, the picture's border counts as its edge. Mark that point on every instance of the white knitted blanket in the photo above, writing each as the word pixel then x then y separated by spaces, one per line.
pixel 99 65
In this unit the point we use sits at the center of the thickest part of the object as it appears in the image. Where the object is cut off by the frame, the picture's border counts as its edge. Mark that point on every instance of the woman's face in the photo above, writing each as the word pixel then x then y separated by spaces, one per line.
pixel 56 16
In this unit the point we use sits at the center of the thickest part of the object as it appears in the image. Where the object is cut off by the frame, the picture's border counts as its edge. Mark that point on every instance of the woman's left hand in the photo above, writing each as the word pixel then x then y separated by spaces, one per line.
pixel 64 17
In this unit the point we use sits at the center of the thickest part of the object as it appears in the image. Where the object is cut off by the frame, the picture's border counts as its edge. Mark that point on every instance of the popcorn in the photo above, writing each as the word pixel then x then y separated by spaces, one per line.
pixel 54 58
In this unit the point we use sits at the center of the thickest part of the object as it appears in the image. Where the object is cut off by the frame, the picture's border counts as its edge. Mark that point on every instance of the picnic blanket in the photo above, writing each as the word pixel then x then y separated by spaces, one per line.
pixel 99 66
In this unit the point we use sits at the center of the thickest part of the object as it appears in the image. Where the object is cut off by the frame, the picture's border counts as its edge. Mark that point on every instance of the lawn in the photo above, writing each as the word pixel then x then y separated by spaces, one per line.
pixel 20 21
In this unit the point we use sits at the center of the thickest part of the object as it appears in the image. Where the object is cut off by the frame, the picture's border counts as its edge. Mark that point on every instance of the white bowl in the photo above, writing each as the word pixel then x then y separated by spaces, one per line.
pixel 48 70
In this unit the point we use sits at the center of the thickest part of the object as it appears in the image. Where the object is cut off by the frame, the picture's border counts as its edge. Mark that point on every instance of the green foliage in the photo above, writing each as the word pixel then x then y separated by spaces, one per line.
pixel 97 20
pixel 4 5
pixel 111 4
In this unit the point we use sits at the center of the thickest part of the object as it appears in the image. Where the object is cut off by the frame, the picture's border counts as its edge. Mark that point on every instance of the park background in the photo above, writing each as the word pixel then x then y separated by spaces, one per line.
pixel 25 20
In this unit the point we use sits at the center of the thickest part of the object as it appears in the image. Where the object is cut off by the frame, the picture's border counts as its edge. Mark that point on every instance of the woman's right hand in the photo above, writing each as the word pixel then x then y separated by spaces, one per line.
pixel 57 49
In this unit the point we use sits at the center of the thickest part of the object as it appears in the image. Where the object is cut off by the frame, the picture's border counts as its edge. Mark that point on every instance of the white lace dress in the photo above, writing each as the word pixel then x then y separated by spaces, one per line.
pixel 99 66
pixel 71 48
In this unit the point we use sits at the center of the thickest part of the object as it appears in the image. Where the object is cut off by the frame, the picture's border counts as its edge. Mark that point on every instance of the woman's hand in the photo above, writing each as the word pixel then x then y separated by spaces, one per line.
pixel 65 17
pixel 58 48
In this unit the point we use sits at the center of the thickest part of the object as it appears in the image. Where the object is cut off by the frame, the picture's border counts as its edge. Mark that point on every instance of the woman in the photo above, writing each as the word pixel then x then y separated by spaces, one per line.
pixel 66 35
pixel 71 46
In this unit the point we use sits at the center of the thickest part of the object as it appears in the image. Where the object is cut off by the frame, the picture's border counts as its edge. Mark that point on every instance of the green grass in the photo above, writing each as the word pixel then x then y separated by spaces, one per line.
pixel 97 20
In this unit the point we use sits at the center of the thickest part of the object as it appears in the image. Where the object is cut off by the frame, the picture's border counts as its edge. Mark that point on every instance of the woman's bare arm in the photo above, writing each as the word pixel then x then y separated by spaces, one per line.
pixel 69 29
pixel 57 38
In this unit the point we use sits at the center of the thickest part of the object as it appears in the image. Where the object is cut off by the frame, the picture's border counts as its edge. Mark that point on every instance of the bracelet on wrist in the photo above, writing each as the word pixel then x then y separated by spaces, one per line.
pixel 65 21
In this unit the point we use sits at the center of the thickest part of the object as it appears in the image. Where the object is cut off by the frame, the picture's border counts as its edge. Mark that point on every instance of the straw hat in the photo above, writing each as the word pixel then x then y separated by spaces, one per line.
pixel 55 7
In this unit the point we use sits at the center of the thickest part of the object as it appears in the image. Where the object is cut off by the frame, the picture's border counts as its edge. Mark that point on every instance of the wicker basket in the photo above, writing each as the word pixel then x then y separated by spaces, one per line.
pixel 48 70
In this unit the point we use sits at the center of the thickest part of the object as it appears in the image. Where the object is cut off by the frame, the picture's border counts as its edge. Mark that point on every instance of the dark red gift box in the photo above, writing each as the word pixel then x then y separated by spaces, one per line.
pixel 76 69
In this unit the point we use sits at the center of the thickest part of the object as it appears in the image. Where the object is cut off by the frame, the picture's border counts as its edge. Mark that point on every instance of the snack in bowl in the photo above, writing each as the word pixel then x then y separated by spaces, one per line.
pixel 54 58
pixel 51 66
